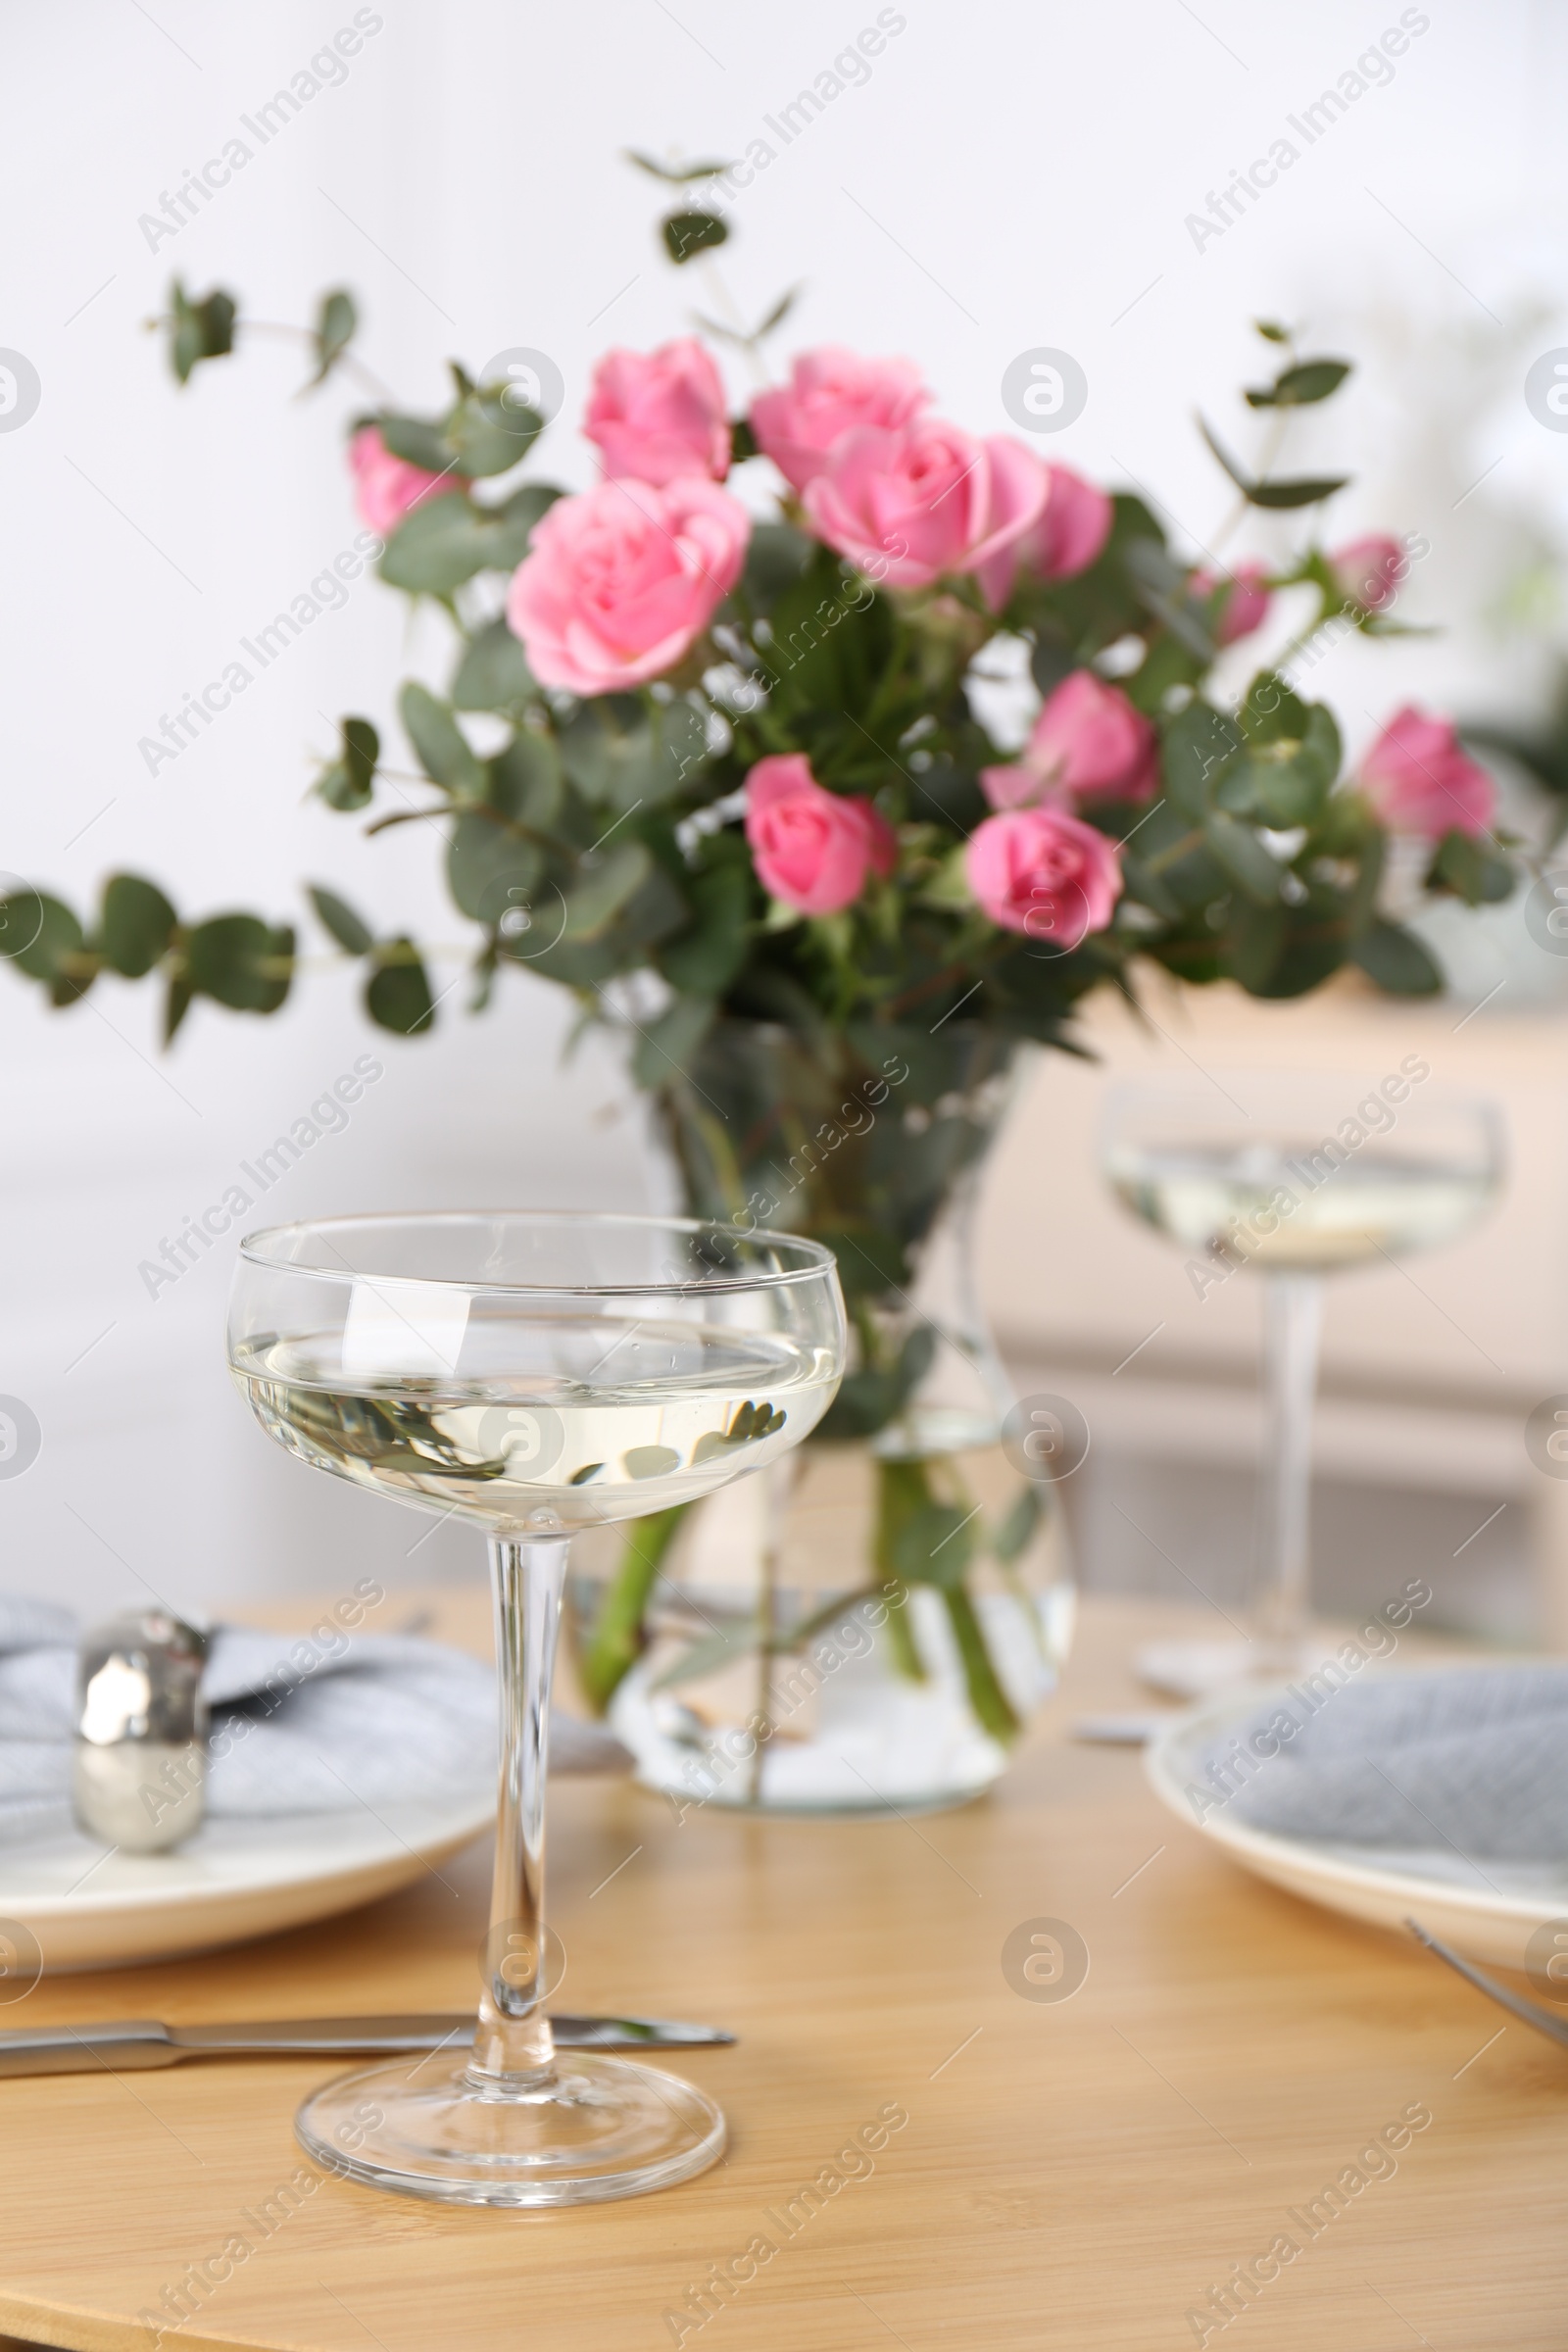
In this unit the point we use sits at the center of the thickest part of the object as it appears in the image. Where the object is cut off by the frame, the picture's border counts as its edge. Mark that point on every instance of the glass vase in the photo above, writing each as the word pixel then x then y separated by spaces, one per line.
pixel 871 1626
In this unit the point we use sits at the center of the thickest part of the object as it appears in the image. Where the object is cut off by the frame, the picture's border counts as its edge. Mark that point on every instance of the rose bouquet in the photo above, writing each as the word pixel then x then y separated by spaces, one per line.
pixel 725 776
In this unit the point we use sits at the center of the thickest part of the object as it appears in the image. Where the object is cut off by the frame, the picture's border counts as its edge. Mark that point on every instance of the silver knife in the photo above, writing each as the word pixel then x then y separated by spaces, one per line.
pixel 145 2041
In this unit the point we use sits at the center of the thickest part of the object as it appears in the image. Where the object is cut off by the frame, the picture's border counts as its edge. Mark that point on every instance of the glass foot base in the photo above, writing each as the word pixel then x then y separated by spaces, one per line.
pixel 1191 1669
pixel 599 2128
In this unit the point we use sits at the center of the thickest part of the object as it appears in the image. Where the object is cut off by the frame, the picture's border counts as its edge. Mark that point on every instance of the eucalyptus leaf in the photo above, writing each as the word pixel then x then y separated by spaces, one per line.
pixel 444 753
pixel 176 1003
pixel 241 961
pixel 397 995
pixel 1465 865
pixel 1307 491
pixel 654 910
pixel 488 434
pixel 490 868
pixel 1243 857
pixel 50 931
pixel 445 540
pixel 666 1048
pixel 418 441
pixel 1396 960
pixel 526 782
pixel 1196 747
pixel 1272 709
pixel 678 174
pixel 1310 380
pixel 688 232
pixel 136 925
pixel 621 753
pixel 348 781
pixel 337 916
pixel 494 672
pixel 603 887
pixel 1255 944
pixel 704 959
pixel 199 330
pixel 1242 479
pixel 335 325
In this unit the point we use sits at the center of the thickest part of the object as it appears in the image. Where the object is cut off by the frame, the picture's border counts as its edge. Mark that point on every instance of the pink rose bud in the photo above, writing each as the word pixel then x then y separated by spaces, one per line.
pixel 1419 781
pixel 813 848
pixel 385 487
pixel 1246 600
pixel 829 393
pixel 657 415
pixel 1088 741
pixel 1045 874
pixel 907 507
pixel 1369 571
pixel 621 581
pixel 1073 527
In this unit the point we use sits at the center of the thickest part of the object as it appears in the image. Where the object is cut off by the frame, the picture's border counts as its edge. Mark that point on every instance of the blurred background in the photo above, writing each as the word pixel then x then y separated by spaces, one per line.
pixel 1001 179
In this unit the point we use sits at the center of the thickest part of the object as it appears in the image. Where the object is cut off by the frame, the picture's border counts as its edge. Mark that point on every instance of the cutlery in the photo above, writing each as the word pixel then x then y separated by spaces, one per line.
pixel 1531 2012
pixel 1132 1730
pixel 146 2042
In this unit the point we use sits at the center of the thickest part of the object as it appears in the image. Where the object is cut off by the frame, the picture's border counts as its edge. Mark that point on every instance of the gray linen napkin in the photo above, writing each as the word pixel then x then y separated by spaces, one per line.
pixel 1469 1760
pixel 295 1727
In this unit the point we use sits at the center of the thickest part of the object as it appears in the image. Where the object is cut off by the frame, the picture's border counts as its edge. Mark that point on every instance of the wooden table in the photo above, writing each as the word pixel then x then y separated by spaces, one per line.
pixel 1076 2173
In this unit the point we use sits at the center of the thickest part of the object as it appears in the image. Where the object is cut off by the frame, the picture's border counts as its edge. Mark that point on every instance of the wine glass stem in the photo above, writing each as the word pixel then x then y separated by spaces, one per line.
pixel 514 2045
pixel 1293 1314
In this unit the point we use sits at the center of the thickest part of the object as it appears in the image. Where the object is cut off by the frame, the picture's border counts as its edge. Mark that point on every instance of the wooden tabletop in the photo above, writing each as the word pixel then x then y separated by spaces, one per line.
pixel 1075 2174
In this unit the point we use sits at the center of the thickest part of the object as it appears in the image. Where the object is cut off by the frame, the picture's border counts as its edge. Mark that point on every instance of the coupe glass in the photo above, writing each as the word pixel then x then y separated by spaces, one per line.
pixel 1290 1177
pixel 535 1374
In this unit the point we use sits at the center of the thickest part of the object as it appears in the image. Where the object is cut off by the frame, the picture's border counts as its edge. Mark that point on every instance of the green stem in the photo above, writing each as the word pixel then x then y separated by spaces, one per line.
pixel 985 1694
pixel 900 1629
pixel 902 1489
pixel 617 1639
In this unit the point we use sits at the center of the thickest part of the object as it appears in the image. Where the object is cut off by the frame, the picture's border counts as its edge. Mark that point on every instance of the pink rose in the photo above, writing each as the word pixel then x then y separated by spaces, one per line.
pixel 813 848
pixel 385 487
pixel 621 581
pixel 1369 571
pixel 829 393
pixel 657 415
pixel 1246 600
pixel 1419 781
pixel 1089 740
pixel 1045 874
pixel 1073 527
pixel 908 506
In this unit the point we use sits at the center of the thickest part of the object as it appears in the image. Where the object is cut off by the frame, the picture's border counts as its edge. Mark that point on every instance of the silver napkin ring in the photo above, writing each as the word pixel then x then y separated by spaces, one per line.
pixel 139 1780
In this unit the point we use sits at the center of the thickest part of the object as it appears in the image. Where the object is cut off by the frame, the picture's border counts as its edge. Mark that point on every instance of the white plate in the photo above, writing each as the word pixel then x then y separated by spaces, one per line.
pixel 236 1878
pixel 1489 1917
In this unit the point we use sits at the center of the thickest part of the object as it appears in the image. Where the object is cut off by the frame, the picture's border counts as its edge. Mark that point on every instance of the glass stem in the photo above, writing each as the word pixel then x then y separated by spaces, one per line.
pixel 513 2048
pixel 1293 1315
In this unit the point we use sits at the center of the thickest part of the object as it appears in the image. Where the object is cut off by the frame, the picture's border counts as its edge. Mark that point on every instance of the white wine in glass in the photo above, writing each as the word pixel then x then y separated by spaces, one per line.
pixel 1294 1176
pixel 534 1374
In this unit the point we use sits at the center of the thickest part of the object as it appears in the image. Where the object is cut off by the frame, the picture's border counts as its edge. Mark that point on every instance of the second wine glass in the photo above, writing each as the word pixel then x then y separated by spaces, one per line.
pixel 1293 1176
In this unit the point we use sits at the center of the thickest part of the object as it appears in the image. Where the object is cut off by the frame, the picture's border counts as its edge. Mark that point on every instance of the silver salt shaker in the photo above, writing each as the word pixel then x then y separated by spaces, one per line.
pixel 141 1724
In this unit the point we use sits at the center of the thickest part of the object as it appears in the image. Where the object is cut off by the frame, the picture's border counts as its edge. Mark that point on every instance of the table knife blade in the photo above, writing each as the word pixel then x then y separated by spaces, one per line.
pixel 138 2042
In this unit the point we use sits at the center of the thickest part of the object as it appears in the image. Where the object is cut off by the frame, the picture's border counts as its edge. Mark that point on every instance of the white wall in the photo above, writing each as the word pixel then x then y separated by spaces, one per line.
pixel 1009 176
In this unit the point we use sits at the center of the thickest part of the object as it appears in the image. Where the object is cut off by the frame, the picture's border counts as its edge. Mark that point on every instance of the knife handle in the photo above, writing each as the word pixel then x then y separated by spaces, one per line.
pixel 137 2042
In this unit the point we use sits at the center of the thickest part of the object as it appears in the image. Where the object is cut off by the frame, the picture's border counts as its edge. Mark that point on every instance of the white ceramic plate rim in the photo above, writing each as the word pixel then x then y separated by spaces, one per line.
pixel 412 1829
pixel 1168 1757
